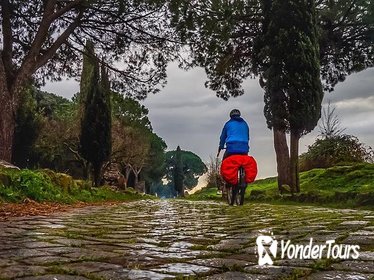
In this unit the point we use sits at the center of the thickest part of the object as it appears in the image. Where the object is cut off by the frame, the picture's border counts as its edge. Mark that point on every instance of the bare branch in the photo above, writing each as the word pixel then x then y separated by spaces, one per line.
pixel 70 6
pixel 102 62
pixel 330 125
pixel 59 41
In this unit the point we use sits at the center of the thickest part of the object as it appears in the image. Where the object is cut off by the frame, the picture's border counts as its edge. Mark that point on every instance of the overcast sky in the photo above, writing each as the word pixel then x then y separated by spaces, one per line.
pixel 185 113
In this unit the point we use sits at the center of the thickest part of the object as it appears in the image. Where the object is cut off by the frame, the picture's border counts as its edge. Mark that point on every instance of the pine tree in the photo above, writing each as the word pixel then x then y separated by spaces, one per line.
pixel 95 136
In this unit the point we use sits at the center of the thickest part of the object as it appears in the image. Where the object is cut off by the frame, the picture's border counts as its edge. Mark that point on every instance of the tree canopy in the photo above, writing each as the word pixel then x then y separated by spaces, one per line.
pixel 44 40
pixel 226 37
pixel 193 167
pixel 48 37
pixel 288 45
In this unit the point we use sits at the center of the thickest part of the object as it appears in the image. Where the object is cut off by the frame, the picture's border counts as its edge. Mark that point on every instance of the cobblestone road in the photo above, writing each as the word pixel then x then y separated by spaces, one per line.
pixel 179 239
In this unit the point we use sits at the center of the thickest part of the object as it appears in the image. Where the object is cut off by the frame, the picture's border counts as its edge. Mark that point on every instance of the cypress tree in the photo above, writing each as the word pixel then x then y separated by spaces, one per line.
pixel 305 87
pixel 89 61
pixel 95 136
pixel 178 173
pixel 293 88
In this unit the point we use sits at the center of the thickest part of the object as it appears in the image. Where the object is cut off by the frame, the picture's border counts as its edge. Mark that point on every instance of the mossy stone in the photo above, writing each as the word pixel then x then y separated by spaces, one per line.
pixel 65 181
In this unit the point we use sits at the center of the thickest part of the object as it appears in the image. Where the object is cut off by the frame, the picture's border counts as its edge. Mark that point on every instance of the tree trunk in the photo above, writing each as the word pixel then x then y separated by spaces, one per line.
pixel 136 177
pixel 182 192
pixel 7 122
pixel 127 175
pixel 294 161
pixel 283 158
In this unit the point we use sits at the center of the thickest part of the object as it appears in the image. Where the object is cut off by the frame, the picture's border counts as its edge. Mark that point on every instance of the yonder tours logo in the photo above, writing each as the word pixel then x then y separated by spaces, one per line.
pixel 267 249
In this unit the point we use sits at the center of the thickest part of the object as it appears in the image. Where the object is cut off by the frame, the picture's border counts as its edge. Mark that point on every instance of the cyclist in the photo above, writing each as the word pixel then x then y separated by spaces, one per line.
pixel 237 168
pixel 235 134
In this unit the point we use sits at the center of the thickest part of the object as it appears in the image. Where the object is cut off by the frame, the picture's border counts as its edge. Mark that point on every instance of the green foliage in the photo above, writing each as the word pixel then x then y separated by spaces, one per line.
pixel 335 150
pixel 290 67
pixel 45 127
pixel 52 148
pixel 129 111
pixel 46 185
pixel 135 146
pixel 28 126
pixel 156 165
pixel 193 167
pixel 226 37
pixel 346 38
pixel 52 106
pixel 95 136
pixel 135 33
pixel 35 185
pixel 341 186
pixel 345 186
pixel 208 193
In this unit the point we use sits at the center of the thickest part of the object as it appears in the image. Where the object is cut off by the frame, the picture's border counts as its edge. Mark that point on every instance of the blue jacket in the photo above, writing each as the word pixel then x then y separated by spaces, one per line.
pixel 235 134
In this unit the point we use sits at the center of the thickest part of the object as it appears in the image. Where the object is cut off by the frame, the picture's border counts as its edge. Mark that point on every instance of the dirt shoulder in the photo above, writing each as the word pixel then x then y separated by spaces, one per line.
pixel 33 208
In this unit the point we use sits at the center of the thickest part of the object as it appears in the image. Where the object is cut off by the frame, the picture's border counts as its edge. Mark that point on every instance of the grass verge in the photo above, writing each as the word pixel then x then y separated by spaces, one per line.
pixel 349 186
pixel 47 186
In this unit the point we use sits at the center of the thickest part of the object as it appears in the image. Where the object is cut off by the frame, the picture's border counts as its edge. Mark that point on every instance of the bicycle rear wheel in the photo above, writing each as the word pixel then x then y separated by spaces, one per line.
pixel 242 185
pixel 241 195
pixel 238 199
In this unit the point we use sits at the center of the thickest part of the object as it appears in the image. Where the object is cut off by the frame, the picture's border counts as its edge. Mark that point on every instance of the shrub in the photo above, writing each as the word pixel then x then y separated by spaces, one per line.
pixel 335 150
pixel 36 186
pixel 47 185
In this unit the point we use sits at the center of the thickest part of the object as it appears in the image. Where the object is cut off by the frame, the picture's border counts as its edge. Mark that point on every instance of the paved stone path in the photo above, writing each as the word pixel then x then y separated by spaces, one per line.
pixel 180 239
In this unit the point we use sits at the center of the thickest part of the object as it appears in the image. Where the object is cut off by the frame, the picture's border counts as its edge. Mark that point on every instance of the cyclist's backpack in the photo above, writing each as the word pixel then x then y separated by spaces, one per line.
pixel 231 164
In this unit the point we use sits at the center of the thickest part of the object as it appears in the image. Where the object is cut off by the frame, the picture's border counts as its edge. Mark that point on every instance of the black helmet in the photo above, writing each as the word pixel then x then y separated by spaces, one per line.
pixel 234 113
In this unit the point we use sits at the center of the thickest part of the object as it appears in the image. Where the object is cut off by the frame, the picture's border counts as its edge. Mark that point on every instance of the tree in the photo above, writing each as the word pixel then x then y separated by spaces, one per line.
pixel 44 40
pixel 178 176
pixel 155 169
pixel 135 146
pixel 346 38
pixel 291 73
pixel 95 136
pixel 28 126
pixel 193 167
pixel 135 152
pixel 131 149
pixel 129 111
pixel 46 133
pixel 227 39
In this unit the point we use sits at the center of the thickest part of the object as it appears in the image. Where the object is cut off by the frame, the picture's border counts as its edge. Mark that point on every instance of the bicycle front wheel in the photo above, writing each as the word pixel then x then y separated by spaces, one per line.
pixel 241 196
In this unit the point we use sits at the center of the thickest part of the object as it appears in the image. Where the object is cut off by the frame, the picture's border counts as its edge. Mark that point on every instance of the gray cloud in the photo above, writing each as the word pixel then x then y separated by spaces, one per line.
pixel 185 113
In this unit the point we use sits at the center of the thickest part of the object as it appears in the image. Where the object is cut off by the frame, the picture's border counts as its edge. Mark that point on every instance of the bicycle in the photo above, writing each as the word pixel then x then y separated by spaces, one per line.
pixel 235 193
pixel 237 165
